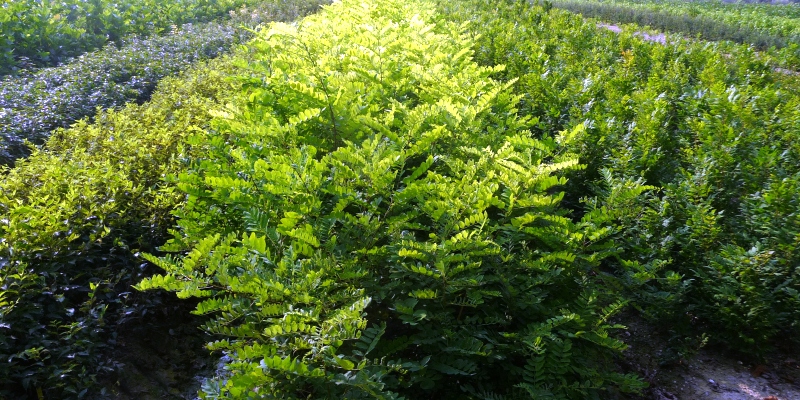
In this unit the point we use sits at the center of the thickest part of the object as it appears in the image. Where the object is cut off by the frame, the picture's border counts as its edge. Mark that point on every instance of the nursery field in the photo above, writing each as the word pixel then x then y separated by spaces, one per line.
pixel 764 26
pixel 398 199
pixel 779 20
pixel 46 32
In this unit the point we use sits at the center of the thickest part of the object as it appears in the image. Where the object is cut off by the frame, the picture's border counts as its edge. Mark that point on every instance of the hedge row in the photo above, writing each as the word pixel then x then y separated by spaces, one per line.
pixel 73 214
pixel 71 217
pixel 31 106
pixel 36 33
pixel 779 20
pixel 691 25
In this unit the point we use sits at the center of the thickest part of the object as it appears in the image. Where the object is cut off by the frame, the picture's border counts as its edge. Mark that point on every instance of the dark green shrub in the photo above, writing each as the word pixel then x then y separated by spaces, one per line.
pixel 48 33
pixel 33 106
pixel 372 220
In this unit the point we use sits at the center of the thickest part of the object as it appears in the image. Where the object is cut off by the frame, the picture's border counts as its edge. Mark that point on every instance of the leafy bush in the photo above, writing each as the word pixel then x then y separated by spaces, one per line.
pixel 711 124
pixel 372 220
pixel 32 106
pixel 71 216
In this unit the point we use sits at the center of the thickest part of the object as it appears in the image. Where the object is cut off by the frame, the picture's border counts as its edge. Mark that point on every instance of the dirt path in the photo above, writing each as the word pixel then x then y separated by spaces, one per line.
pixel 715 377
pixel 708 374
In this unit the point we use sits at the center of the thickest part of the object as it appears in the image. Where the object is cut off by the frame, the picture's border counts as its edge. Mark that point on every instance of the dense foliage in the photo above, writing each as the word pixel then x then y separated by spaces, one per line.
pixel 402 199
pixel 45 33
pixel 779 20
pixel 716 130
pixel 31 106
pixel 375 221
pixel 72 215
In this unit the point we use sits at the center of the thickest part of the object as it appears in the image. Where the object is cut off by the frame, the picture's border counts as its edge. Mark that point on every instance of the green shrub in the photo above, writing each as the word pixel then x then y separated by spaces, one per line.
pixel 70 217
pixel 31 106
pixel 775 36
pixel 372 220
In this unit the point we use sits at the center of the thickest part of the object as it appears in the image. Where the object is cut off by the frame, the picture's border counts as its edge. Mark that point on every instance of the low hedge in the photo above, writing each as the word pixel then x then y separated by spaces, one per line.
pixel 72 215
pixel 32 106
pixel 690 25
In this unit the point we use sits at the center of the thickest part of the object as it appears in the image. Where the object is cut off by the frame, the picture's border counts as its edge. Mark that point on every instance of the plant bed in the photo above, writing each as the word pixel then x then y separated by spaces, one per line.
pixel 31 106
pixel 47 33
pixel 371 218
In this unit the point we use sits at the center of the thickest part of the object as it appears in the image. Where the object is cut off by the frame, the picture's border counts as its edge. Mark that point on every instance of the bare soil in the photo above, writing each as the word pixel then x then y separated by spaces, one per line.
pixel 709 373
pixel 658 38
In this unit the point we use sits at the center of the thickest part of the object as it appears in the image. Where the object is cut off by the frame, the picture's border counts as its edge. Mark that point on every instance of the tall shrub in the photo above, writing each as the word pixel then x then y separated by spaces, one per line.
pixel 375 221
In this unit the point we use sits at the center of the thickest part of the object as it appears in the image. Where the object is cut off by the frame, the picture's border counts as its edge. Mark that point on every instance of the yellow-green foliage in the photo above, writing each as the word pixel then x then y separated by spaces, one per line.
pixel 95 175
pixel 365 211
pixel 372 220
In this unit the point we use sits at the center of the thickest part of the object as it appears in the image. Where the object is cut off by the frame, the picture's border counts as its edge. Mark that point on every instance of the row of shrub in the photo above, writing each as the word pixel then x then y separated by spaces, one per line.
pixel 74 212
pixel 33 105
pixel 372 218
pixel 706 27
pixel 715 130
pixel 35 33
pixel 366 212
pixel 72 216
pixel 782 20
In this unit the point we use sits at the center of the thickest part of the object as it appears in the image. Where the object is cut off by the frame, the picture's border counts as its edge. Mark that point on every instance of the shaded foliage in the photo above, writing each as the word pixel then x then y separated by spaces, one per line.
pixel 71 216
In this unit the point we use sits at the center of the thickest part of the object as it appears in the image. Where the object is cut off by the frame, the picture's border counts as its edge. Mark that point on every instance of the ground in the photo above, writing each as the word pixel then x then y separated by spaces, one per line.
pixel 708 373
